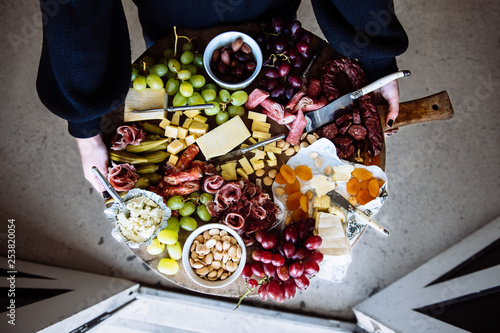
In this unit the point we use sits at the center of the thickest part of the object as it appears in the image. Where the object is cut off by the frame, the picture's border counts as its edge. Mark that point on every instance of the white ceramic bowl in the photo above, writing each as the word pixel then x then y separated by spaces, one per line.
pixel 186 254
pixel 227 38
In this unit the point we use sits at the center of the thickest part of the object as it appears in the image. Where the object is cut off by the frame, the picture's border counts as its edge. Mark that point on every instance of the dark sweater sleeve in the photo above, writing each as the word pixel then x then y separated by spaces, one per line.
pixel 367 30
pixel 84 69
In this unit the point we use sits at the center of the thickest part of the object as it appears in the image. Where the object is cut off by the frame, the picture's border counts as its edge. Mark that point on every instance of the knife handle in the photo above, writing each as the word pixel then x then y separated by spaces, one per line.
pixel 368 220
pixel 379 83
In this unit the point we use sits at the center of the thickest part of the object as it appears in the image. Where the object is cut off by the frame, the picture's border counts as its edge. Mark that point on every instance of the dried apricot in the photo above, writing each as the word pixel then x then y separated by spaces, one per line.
pixel 303 172
pixel 363 197
pixel 293 201
pixel 287 173
pixel 293 187
pixel 304 203
pixel 373 188
pixel 380 182
pixel 353 186
pixel 299 215
pixel 279 179
pixel 364 183
pixel 361 174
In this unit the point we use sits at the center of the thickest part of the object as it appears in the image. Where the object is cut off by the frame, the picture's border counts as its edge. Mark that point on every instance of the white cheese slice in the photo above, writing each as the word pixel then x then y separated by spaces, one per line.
pixel 342 173
pixel 335 245
pixel 321 184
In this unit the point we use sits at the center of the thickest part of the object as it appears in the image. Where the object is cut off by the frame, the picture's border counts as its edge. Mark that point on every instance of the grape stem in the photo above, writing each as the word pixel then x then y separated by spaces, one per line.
pixel 262 281
pixel 189 40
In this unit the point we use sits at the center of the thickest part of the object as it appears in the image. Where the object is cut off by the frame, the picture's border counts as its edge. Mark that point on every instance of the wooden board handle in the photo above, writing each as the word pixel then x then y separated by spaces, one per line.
pixel 430 108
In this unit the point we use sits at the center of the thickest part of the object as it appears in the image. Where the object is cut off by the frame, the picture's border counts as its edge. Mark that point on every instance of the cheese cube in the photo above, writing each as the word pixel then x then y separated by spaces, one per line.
pixel 176 119
pixel 200 119
pixel 242 173
pixel 321 202
pixel 272 163
pixel 171 131
pixel 257 116
pixel 173 159
pixel 174 147
pixel 243 145
pixel 191 113
pixel 272 144
pixel 164 123
pixel 261 135
pixel 228 172
pixel 183 143
pixel 258 126
pixel 252 140
pixel 190 139
pixel 198 128
pixel 187 122
pixel 246 165
pixel 258 164
pixel 182 132
pixel 259 154
pixel 271 155
pixel 275 150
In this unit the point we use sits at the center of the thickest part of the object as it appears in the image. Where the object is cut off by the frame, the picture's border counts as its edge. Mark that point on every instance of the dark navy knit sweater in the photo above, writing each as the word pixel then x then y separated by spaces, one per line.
pixel 85 69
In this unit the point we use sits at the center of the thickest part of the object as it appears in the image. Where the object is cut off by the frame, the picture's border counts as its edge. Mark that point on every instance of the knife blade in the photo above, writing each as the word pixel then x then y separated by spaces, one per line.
pixel 342 202
pixel 179 108
pixel 245 150
pixel 328 113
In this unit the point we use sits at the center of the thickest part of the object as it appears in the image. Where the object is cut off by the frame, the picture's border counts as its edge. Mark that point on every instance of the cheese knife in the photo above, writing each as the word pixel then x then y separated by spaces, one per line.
pixel 245 150
pixel 179 108
pixel 328 113
pixel 342 202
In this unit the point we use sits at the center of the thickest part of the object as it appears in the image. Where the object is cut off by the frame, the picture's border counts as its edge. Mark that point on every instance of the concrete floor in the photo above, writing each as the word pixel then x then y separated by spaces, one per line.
pixel 444 176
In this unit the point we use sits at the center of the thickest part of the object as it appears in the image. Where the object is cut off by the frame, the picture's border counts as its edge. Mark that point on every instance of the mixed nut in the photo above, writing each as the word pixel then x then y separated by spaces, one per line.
pixel 215 255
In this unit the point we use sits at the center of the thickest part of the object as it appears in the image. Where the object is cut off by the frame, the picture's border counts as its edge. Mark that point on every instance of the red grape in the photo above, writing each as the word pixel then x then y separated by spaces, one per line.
pixel 283 273
pixel 271 84
pixel 278 24
pixel 300 254
pixel 263 294
pixel 296 269
pixel 272 73
pixel 306 37
pixel 259 234
pixel 295 28
pixel 290 288
pixel 270 269
pixel 252 283
pixel 258 269
pixel 290 234
pixel 302 47
pixel 302 282
pixel 311 223
pixel 289 249
pixel 311 267
pixel 275 291
pixel 266 257
pixel 278 260
pixel 277 92
pixel 302 229
pixel 316 256
pixel 257 255
pixel 284 69
pixel 295 81
pixel 297 62
pixel 313 242
pixel 292 53
pixel 280 44
pixel 269 241
pixel 247 271
pixel 289 92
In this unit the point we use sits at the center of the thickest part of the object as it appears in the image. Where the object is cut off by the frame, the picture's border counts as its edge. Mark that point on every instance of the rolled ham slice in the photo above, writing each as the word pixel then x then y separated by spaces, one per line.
pixel 297 129
pixel 127 135
pixel 256 97
pixel 122 177
pixel 213 183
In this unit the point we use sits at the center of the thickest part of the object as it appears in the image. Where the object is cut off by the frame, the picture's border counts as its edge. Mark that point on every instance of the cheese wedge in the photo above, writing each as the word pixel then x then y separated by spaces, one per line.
pixel 335 244
pixel 145 99
pixel 322 185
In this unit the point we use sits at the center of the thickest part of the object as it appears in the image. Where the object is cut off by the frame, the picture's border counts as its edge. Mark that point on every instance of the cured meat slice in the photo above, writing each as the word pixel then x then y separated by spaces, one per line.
pixel 297 129
pixel 314 88
pixel 187 157
pixel 343 119
pixel 181 189
pixel 235 221
pixel 122 176
pixel 315 105
pixel 357 132
pixel 286 119
pixel 212 183
pixel 256 97
pixel 209 170
pixel 202 165
pixel 344 127
pixel 273 107
pixel 342 141
pixel 184 176
pixel 330 131
pixel 371 121
pixel 228 193
pixel 356 118
pixel 294 100
pixel 127 135
pixel 345 152
pixel 330 76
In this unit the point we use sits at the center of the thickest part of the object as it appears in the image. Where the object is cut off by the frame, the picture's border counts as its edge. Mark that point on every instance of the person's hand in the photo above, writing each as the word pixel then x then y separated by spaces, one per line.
pixel 390 92
pixel 93 152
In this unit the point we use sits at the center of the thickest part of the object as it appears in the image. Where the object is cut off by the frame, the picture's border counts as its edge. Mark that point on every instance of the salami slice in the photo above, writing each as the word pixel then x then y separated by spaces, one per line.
pixel 187 157
pixel 342 141
pixel 344 127
pixel 356 118
pixel 330 131
pixel 184 176
pixel 287 118
pixel 357 132
pixel 273 107
pixel 256 97
pixel 294 100
pixel 345 152
pixel 343 119
pixel 298 126
pixel 314 88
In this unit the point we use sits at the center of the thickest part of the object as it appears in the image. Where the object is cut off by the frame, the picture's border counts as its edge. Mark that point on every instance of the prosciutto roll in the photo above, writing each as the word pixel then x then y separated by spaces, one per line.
pixel 127 135
pixel 122 177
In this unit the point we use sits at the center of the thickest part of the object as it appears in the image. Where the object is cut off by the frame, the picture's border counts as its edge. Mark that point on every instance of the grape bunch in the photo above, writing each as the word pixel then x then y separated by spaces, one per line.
pixel 286 46
pixel 284 264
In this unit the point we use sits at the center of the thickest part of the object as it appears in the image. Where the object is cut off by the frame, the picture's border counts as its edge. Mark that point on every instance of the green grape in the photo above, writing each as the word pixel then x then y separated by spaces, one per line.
pixel 175 251
pixel 154 81
pixel 213 111
pixel 168 237
pixel 156 247
pixel 194 196
pixel 197 81
pixel 174 65
pixel 187 47
pixel 171 75
pixel 203 213
pixel 239 97
pixel 188 223
pixel 210 86
pixel 135 72
pixel 173 224
pixel 159 69
pixel 187 57
pixel 235 110
pixel 168 53
pixel 186 89
pixel 198 60
pixel 208 95
pixel 196 99
pixel 221 117
pixel 163 61
pixel 168 266
pixel 184 75
pixel 188 209
pixel 179 100
pixel 172 86
pixel 140 83
pixel 192 68
pixel 224 95
pixel 206 197
pixel 175 203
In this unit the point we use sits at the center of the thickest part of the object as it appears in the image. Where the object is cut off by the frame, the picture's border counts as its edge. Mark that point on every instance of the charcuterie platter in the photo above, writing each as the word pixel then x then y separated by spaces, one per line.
pixel 166 144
